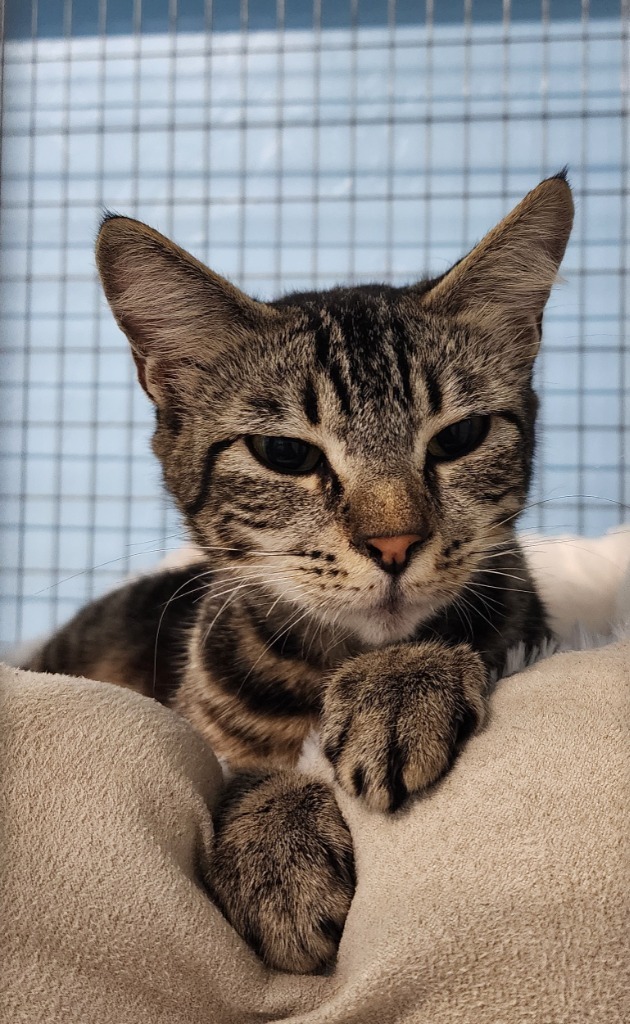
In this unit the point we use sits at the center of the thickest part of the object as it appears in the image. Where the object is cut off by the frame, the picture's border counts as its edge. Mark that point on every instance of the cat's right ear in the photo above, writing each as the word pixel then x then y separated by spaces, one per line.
pixel 173 309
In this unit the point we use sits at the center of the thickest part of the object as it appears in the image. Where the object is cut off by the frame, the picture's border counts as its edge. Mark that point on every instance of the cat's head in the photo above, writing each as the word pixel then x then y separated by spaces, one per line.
pixel 356 450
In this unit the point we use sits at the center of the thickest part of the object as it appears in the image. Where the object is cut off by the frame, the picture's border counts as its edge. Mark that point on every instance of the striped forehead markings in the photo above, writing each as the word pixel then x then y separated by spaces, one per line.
pixel 328 362
pixel 322 343
pixel 434 391
pixel 400 346
pixel 342 387
pixel 310 402
pixel 375 360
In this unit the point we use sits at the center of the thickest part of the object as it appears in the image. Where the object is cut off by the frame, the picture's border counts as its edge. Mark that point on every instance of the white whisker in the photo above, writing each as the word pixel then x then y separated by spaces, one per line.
pixel 489 586
pixel 161 619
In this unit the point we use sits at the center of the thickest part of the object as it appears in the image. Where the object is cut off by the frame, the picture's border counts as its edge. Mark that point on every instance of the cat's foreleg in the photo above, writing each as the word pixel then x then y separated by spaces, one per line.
pixel 394 719
pixel 283 867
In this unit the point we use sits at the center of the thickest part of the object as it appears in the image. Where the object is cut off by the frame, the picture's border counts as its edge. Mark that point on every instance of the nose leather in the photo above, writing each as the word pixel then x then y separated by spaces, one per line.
pixel 393 550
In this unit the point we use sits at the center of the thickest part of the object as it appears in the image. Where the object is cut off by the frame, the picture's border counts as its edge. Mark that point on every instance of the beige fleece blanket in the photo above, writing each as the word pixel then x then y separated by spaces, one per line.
pixel 502 897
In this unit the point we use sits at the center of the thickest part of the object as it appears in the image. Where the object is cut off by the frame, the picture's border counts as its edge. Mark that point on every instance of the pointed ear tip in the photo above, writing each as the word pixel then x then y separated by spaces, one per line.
pixel 558 187
pixel 115 224
pixel 115 237
pixel 111 229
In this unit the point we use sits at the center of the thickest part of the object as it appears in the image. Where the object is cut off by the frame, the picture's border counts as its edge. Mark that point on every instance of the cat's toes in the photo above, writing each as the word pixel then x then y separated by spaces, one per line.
pixel 283 868
pixel 395 720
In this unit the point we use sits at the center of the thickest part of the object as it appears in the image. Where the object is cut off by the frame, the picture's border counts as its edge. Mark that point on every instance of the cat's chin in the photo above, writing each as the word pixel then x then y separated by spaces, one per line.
pixel 385 625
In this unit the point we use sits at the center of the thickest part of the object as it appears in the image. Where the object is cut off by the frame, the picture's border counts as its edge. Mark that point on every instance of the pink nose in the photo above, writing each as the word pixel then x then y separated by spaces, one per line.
pixel 393 550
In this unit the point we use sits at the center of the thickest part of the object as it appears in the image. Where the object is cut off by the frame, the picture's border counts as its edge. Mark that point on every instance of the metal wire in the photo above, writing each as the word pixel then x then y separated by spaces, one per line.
pixel 290 145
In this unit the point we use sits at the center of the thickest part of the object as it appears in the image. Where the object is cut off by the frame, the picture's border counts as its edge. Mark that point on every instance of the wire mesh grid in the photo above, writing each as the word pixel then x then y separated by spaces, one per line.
pixel 289 145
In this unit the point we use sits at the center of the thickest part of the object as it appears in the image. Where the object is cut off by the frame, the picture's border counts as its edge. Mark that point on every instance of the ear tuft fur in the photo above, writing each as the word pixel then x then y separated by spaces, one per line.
pixel 562 174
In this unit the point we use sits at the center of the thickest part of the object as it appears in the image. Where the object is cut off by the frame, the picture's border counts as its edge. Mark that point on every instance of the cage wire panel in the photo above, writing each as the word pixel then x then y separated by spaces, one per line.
pixel 289 145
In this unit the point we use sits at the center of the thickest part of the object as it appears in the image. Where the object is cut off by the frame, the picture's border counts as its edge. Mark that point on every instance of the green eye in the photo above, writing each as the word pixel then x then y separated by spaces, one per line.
pixel 285 454
pixel 460 438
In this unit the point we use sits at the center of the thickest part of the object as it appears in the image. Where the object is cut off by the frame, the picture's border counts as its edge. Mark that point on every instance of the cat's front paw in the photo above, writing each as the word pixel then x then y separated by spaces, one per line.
pixel 283 868
pixel 395 719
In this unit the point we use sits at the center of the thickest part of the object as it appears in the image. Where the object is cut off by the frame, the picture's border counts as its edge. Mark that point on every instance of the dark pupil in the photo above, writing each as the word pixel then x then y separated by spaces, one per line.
pixel 457 436
pixel 286 452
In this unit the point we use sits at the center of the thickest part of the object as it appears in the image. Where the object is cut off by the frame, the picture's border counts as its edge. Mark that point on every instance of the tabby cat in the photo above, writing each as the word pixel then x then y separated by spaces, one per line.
pixel 351 463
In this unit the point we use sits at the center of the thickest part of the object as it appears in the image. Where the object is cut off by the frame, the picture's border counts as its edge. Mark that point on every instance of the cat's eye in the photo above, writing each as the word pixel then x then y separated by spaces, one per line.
pixel 285 454
pixel 459 438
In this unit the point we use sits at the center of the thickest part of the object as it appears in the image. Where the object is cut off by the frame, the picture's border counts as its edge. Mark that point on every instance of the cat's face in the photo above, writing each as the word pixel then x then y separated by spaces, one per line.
pixel 356 451
pixel 332 449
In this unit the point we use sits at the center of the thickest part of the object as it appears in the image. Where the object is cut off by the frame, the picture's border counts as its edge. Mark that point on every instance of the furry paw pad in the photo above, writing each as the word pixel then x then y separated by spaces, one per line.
pixel 283 868
pixel 395 719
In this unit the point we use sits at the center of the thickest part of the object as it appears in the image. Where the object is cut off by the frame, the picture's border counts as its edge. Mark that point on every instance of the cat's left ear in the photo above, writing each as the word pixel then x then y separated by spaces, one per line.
pixel 505 281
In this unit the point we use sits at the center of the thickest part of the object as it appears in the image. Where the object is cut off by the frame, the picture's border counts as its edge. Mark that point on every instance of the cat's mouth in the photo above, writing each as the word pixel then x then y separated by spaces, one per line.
pixel 393 601
pixel 392 616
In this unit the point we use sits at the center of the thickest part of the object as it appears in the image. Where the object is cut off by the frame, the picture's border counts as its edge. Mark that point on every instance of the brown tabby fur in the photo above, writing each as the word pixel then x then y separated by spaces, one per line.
pixel 290 621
